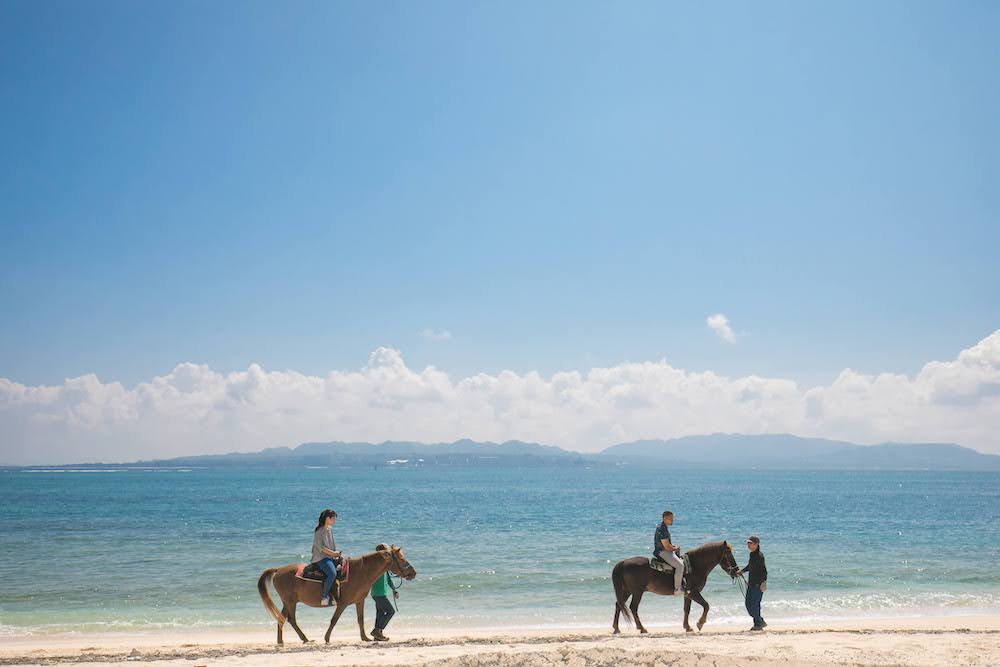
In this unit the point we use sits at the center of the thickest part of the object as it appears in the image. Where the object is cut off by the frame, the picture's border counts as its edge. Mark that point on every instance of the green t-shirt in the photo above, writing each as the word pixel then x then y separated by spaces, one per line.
pixel 381 586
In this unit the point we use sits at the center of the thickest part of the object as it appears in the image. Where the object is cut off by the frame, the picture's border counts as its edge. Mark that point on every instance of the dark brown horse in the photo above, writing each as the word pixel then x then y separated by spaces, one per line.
pixel 364 571
pixel 634 576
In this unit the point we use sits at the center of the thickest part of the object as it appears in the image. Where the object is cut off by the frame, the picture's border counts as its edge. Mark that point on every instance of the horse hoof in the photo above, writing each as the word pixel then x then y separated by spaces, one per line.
pixel 688 630
pixel 643 631
pixel 616 631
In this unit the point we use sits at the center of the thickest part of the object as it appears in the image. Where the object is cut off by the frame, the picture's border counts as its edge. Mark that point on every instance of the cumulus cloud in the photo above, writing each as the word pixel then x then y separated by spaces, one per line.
pixel 719 323
pixel 432 334
pixel 194 409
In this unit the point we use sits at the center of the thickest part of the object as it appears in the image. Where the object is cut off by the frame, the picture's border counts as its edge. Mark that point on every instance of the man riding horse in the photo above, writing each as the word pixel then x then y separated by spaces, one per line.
pixel 666 551
pixel 633 577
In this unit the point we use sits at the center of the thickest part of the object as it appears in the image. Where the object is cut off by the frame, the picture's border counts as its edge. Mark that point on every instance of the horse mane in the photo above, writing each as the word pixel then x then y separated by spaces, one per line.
pixel 708 546
pixel 368 556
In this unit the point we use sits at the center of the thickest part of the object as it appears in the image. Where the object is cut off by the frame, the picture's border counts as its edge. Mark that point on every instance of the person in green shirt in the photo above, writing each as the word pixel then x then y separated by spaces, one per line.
pixel 383 608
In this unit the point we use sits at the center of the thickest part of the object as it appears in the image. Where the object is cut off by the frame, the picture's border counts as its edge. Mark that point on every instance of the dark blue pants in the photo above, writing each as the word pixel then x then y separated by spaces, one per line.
pixel 754 595
pixel 383 611
pixel 330 570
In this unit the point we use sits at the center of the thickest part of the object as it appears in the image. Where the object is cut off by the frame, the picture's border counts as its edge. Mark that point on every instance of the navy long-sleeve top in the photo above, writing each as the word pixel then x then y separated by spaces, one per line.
pixel 756 568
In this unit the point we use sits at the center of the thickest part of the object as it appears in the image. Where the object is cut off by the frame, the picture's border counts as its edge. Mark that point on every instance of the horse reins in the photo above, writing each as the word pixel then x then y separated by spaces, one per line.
pixel 395 586
pixel 737 575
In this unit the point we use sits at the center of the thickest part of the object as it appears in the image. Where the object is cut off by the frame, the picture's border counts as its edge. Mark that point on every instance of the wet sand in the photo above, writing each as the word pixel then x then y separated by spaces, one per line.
pixel 959 640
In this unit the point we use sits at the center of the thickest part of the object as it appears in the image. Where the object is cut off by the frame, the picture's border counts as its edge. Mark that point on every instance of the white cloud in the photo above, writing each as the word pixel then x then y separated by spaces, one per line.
pixel 719 323
pixel 431 334
pixel 194 409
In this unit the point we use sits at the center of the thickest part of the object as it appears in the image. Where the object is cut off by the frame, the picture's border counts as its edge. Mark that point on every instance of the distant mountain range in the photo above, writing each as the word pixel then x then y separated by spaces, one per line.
pixel 460 452
pixel 778 451
pixel 783 451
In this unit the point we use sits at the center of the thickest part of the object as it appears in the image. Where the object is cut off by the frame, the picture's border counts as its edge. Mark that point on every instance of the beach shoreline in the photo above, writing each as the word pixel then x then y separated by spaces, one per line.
pixel 967 640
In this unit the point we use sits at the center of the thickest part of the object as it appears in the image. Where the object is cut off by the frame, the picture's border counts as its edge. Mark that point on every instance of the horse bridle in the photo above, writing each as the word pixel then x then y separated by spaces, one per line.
pixel 395 561
pixel 735 570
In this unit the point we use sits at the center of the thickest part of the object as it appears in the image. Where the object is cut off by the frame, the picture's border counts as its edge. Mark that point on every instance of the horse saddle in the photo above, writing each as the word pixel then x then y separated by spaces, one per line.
pixel 663 566
pixel 312 571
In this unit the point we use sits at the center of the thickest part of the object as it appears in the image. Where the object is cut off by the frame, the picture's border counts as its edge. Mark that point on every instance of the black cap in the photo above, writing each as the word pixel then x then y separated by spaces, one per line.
pixel 754 539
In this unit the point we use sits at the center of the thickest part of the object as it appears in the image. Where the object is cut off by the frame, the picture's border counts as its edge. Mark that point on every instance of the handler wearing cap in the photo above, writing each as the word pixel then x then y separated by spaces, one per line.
pixel 758 582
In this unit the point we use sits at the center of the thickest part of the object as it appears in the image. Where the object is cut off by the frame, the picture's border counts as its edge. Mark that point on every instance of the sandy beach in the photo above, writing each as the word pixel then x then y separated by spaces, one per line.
pixel 960 640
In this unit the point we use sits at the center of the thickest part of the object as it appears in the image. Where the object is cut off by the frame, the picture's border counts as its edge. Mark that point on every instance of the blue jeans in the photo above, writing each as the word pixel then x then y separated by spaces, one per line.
pixel 383 612
pixel 330 570
pixel 754 595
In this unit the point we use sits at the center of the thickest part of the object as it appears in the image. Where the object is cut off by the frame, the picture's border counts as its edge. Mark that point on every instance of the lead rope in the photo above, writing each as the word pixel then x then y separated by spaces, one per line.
pixel 742 583
pixel 395 589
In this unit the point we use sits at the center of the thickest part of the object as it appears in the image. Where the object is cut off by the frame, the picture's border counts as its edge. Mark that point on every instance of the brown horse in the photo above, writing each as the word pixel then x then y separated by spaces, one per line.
pixel 364 571
pixel 634 576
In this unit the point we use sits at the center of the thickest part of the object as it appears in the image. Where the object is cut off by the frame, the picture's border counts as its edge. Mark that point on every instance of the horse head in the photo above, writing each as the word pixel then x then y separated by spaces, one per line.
pixel 728 560
pixel 398 564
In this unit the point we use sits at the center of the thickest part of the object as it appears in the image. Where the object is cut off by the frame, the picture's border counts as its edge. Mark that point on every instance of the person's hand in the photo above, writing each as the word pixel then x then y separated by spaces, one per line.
pixel 395 594
pixel 676 549
pixel 763 586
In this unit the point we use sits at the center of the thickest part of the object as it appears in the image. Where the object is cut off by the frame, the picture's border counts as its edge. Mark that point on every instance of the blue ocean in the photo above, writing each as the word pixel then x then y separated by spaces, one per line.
pixel 495 547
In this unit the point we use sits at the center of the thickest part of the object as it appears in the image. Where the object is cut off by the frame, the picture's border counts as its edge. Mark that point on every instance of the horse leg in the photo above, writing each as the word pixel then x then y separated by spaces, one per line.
pixel 621 595
pixel 333 621
pixel 295 626
pixel 281 623
pixel 636 598
pixel 361 620
pixel 619 607
pixel 687 613
pixel 697 597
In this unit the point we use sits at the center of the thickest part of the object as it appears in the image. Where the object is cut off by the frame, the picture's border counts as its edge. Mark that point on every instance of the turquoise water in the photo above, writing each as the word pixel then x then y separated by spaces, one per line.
pixel 494 547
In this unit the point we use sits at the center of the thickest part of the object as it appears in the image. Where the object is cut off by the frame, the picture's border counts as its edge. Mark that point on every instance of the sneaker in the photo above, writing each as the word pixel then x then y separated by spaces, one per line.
pixel 324 602
pixel 763 623
pixel 756 628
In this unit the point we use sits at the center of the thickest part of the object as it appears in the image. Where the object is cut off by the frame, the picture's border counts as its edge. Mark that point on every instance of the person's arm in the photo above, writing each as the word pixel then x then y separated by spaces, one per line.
pixel 665 542
pixel 331 549
pixel 395 593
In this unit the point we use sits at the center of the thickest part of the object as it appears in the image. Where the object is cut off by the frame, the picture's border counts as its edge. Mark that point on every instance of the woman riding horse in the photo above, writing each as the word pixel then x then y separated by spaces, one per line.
pixel 364 572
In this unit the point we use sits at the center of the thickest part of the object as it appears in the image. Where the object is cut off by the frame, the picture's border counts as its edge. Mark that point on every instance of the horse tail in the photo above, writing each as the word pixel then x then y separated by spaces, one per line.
pixel 265 597
pixel 618 581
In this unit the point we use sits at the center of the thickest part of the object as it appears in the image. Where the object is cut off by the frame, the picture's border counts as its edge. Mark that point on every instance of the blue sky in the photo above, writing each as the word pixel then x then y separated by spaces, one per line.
pixel 558 185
